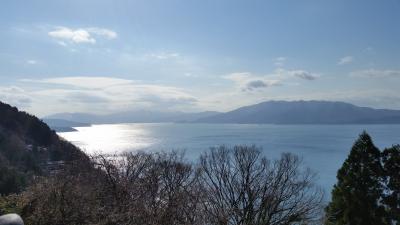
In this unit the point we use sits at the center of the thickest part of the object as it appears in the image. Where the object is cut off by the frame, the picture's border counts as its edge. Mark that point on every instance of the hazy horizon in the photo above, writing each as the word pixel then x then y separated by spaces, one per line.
pixel 180 111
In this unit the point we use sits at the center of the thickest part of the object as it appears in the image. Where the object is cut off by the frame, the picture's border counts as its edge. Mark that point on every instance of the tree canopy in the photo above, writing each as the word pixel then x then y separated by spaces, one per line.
pixel 367 186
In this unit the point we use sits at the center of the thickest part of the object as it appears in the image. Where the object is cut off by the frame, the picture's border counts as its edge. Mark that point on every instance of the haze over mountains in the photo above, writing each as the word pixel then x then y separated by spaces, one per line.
pixel 61 125
pixel 140 116
pixel 274 112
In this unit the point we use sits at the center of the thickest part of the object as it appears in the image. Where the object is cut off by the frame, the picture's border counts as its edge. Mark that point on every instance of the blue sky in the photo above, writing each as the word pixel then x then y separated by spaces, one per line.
pixel 107 56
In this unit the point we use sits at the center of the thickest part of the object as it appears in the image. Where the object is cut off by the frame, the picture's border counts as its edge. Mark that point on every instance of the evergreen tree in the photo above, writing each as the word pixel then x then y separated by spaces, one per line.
pixel 356 196
pixel 391 196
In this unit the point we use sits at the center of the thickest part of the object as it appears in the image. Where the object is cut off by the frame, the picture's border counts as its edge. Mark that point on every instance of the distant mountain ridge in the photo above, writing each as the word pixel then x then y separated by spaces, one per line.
pixel 305 112
pixel 61 125
pixel 140 116
pixel 269 112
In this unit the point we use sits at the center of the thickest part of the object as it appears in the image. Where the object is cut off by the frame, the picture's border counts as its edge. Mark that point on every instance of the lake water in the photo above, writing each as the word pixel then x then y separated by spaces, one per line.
pixel 322 147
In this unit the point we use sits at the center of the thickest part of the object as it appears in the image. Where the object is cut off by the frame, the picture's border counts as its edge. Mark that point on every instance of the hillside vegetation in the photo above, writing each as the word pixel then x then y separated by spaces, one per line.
pixel 28 147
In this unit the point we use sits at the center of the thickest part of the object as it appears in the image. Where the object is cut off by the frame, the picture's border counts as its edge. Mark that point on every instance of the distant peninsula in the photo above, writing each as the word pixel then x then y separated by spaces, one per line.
pixel 61 125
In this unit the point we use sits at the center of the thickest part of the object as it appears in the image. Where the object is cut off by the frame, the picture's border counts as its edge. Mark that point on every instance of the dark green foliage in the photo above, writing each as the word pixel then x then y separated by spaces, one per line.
pixel 11 180
pixel 10 204
pixel 26 145
pixel 391 160
pixel 23 124
pixel 40 132
pixel 356 196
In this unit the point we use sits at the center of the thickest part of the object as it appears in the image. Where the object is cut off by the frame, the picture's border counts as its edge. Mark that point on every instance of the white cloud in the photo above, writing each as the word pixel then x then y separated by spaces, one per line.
pixel 80 35
pixel 76 36
pixel 250 82
pixel 346 60
pixel 15 96
pixel 109 34
pixel 83 81
pixel 163 55
pixel 369 49
pixel 280 61
pixel 376 73
pixel 32 62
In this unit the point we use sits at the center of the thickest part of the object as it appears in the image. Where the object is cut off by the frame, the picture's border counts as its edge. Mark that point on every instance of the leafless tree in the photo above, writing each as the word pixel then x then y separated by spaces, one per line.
pixel 244 188
pixel 229 186
pixel 68 198
pixel 157 188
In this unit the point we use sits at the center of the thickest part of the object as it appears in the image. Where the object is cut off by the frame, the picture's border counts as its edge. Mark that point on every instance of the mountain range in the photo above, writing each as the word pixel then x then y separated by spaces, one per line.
pixel 140 116
pixel 270 112
pixel 61 125
pixel 305 112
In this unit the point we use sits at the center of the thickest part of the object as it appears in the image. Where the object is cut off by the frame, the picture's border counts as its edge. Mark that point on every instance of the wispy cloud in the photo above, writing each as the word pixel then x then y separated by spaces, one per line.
pixel 31 62
pixel 376 73
pixel 15 96
pixel 369 49
pixel 163 55
pixel 83 82
pixel 109 34
pixel 106 94
pixel 81 35
pixel 280 61
pixel 249 82
pixel 346 60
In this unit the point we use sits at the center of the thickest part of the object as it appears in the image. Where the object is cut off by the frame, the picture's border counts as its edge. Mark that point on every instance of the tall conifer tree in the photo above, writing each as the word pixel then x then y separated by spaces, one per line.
pixel 391 196
pixel 356 196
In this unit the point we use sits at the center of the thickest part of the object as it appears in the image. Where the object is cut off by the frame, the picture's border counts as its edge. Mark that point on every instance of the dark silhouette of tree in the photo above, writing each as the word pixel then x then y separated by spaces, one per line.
pixel 391 196
pixel 356 198
pixel 141 188
pixel 161 188
pixel 244 188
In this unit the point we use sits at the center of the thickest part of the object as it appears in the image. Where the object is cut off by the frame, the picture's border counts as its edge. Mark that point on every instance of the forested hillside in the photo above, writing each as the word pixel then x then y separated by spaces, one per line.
pixel 28 147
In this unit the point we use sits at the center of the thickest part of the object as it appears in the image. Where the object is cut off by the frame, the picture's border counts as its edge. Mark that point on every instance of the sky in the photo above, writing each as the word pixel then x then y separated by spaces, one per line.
pixel 104 56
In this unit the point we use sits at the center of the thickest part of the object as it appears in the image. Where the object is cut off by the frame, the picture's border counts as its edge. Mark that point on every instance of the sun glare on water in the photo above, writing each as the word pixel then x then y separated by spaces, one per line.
pixel 110 138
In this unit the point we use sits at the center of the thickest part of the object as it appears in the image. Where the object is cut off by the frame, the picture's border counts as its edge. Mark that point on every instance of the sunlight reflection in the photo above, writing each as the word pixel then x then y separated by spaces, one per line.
pixel 110 138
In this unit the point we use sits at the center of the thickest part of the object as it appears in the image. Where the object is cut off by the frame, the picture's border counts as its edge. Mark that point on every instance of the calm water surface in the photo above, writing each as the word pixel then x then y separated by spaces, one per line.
pixel 322 147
